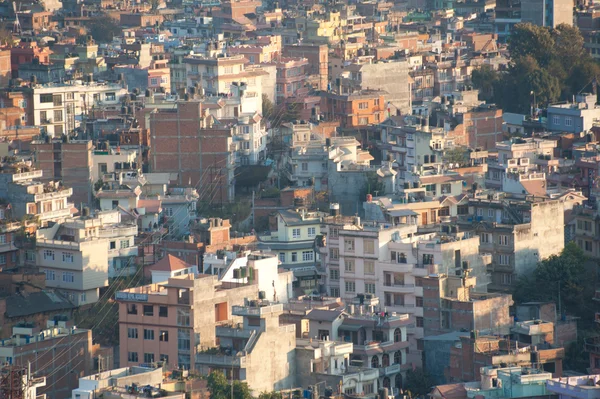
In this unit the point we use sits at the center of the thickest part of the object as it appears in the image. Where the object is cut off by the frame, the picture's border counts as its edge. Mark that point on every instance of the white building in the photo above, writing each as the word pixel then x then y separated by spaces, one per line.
pixel 80 254
pixel 58 108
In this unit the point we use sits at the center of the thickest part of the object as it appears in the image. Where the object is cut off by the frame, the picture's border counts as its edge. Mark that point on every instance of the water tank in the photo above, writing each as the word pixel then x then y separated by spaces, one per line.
pixel 334 209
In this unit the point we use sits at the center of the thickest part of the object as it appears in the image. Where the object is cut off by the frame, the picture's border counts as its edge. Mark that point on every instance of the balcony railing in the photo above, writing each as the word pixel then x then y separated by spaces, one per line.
pixel 389 370
pixel 67 192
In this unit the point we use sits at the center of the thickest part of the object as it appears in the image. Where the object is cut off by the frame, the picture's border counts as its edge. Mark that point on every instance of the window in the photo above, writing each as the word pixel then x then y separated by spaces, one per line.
pixel 369 267
pixel 503 240
pixel 57 100
pixel 568 121
pixel 282 257
pixel 168 212
pixel 43 116
pixel 312 232
pixel 419 301
pixel 69 96
pixel 334 274
pixel 113 245
pixel 349 266
pixel 148 357
pixel 490 213
pixel 428 259
pixel 58 116
pixel 446 188
pixel 462 209
pixel 295 233
pixel 164 358
pixel 504 260
pixel 349 245
pixel 350 286
pixel 334 232
pixel 308 256
pixel 587 246
pixel 48 254
pixel 506 278
pixel 163 311
pixel 183 317
pixel 124 244
pixel 68 277
pixel 445 211
pixel 304 166
pixel 556 119
pixel 334 253
pixel 132 357
pixel 148 310
pixel 479 212
pixel 363 105
pixel 45 98
pixel 3 259
pixel 294 257
pixel 67 257
pixel 131 308
pixel 369 246
pixel 334 292
pixel 363 121
pixel 163 336
pixel 149 335
pixel 110 96
pixel 484 238
pixel 50 276
pixel 183 340
pixel 419 321
pixel 132 333
pixel 370 288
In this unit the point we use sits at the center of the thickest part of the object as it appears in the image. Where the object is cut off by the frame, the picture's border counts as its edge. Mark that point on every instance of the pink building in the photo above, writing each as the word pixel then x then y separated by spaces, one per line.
pixel 292 75
pixel 171 321
pixel 159 74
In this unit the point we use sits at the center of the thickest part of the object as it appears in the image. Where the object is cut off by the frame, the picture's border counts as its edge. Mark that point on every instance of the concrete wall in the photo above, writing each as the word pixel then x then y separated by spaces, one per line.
pixel 391 77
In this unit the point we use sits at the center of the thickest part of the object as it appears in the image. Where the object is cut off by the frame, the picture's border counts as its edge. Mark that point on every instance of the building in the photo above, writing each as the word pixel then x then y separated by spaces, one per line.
pixel 17 381
pixel 547 12
pixel 186 308
pixel 330 362
pixel 69 161
pixel 53 351
pixel 79 254
pixel 258 350
pixel 575 117
pixel 355 110
pixel 294 240
pixel 58 107
pixel 318 59
pixel 203 158
pixel 379 341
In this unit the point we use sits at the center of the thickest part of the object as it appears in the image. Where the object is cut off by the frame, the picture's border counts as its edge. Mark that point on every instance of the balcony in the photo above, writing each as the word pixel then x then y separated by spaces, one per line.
pixel 389 370
pixel 59 213
pixel 371 347
pixel 8 247
pixel 233 332
pixel 122 231
pixel 67 192
pixel 256 311
pixel 221 360
pixel 399 287
pixel 397 267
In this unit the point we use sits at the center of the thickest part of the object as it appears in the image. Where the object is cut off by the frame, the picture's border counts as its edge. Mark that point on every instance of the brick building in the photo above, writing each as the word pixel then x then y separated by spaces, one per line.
pixel 185 142
pixel 70 162
pixel 5 73
pixel 318 59
pixel 359 109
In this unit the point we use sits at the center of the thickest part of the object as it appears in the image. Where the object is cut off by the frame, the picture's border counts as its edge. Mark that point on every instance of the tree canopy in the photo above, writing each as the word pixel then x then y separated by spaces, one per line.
pixel 561 276
pixel 103 28
pixel 546 65
pixel 220 388
pixel 418 382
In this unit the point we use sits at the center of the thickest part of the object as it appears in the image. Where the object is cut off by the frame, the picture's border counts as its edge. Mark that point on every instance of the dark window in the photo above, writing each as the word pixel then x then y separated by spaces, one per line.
pixel 132 308
pixel 148 310
pixel 163 311
pixel 149 334
pixel 163 336
pixel 113 245
pixel 419 301
pixel 419 322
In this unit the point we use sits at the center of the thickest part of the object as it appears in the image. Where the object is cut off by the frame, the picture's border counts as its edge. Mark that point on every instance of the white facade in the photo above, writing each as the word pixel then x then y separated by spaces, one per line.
pixel 59 107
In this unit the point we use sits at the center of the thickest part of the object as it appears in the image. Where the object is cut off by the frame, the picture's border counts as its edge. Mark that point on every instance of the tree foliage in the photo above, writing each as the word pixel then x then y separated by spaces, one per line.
pixel 456 154
pixel 418 382
pixel 6 37
pixel 561 276
pixel 220 388
pixel 484 78
pixel 546 65
pixel 103 28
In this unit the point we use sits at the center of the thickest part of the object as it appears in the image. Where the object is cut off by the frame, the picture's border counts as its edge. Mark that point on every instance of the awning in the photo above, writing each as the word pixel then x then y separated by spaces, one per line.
pixel 350 327
pixel 402 213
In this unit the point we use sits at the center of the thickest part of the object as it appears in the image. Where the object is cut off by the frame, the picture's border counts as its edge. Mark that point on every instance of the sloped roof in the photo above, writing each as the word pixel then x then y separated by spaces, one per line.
pixel 20 305
pixel 169 263
pixel 323 315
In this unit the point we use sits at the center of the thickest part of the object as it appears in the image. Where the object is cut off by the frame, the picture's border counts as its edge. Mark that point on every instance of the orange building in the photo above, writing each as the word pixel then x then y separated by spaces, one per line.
pixel 25 52
pixel 359 109
pixel 5 67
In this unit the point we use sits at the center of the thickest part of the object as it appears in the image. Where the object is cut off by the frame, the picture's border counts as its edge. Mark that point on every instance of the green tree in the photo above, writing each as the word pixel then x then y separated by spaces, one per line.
pixel 561 276
pixel 531 40
pixel 484 78
pixel 418 382
pixel 457 155
pixel 103 28
pixel 568 46
pixel 270 395
pixel 267 107
pixel 220 388
pixel 6 37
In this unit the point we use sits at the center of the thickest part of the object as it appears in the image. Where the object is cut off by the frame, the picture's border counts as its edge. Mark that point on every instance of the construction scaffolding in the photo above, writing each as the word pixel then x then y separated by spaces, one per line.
pixel 12 382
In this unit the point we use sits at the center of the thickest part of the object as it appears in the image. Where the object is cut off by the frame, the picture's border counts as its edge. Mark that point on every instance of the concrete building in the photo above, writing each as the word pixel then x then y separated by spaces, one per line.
pixel 329 361
pixel 80 254
pixel 517 234
pixel 575 117
pixel 318 58
pixel 68 161
pixel 379 341
pixel 578 387
pixel 58 107
pixel 547 12
pixel 149 314
pixel 53 351
pixel 376 75
pixel 258 350
pixel 356 109
pixel 18 381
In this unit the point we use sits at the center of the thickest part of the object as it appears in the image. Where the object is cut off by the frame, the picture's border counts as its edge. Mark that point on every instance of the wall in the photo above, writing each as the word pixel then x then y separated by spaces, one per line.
pixel 377 76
